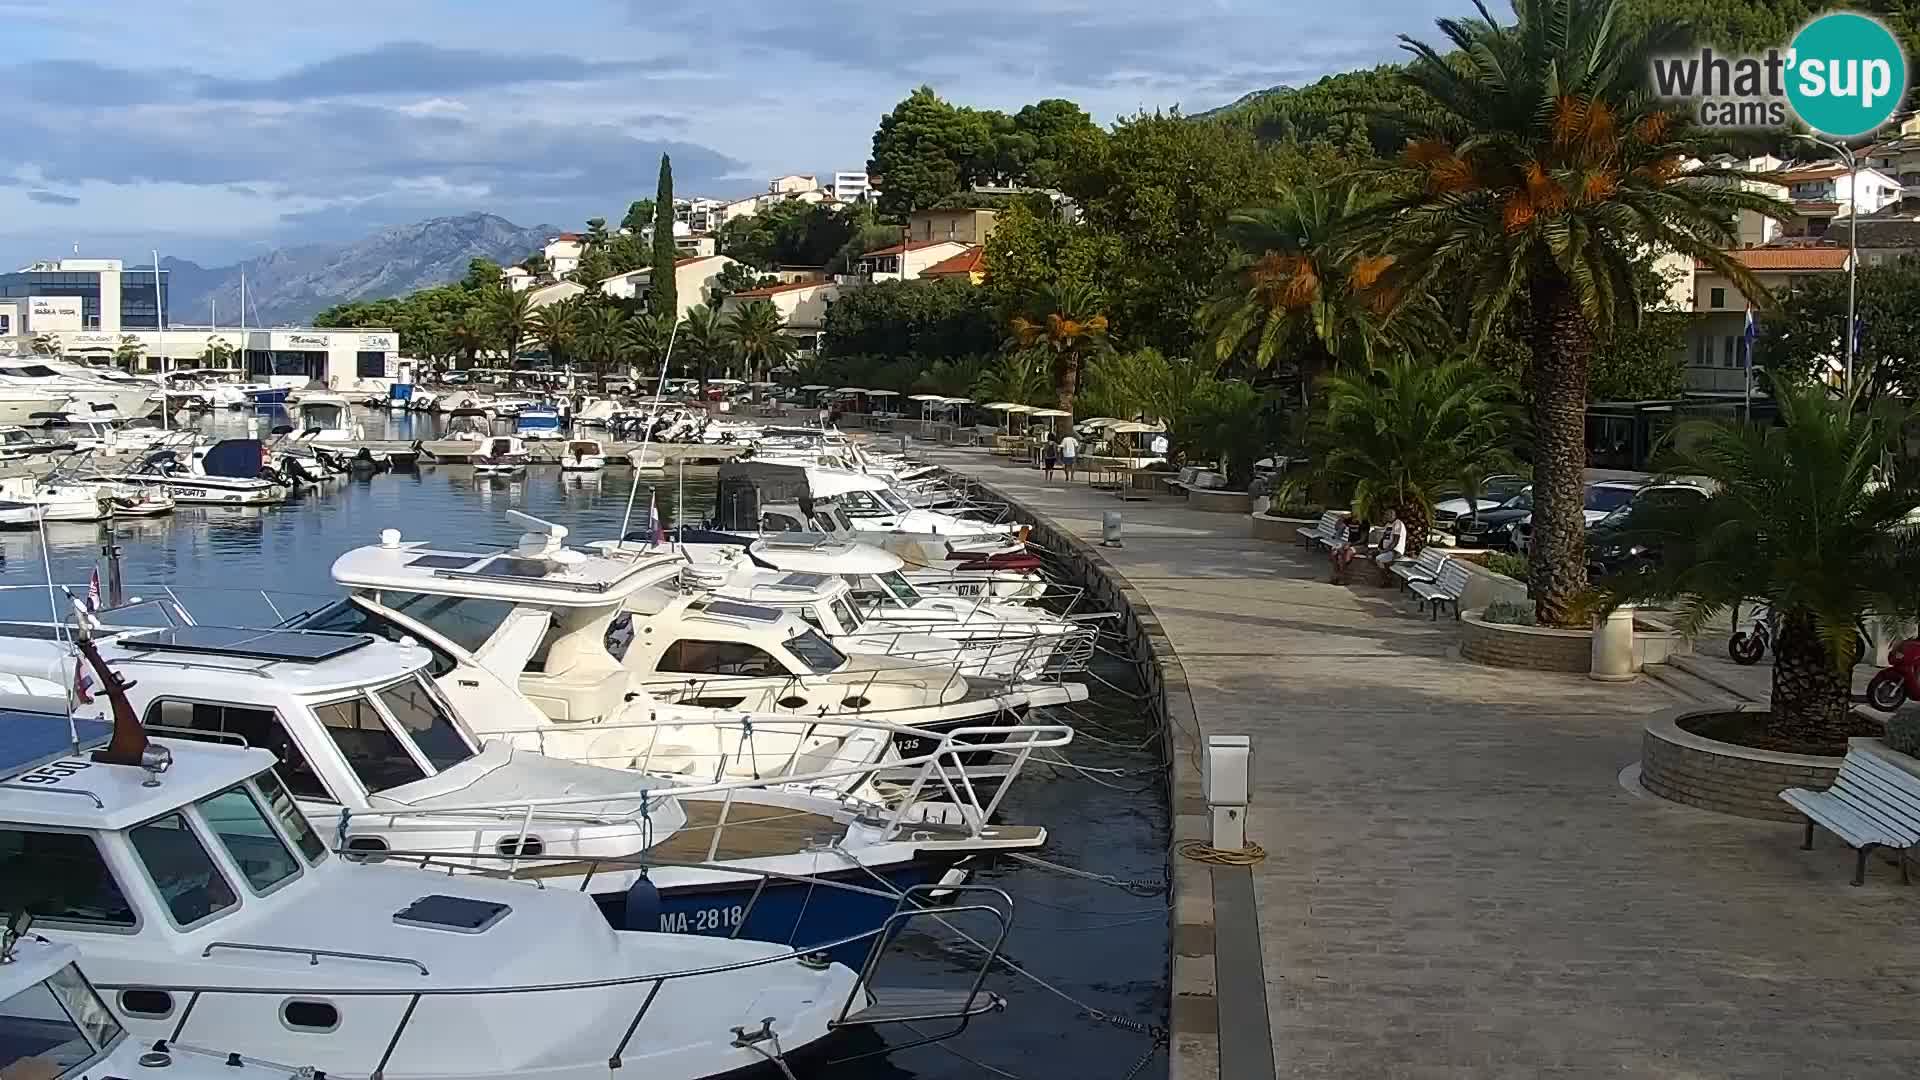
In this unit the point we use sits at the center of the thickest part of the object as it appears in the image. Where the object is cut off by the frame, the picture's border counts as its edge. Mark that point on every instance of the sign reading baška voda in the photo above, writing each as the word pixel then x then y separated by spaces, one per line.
pixel 1844 75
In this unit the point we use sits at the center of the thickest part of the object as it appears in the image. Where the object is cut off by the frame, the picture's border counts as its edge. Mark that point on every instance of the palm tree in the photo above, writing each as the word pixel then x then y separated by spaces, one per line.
pixel 472 334
pixel 649 338
pixel 756 333
pixel 1403 434
pixel 511 313
pixel 1021 377
pixel 703 339
pixel 556 325
pixel 1296 290
pixel 1812 516
pixel 45 345
pixel 1537 179
pixel 126 355
pixel 217 354
pixel 603 338
pixel 1068 323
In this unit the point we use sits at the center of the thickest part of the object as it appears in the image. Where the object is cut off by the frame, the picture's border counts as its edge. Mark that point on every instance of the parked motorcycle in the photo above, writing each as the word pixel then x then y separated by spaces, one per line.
pixel 1899 680
pixel 1749 646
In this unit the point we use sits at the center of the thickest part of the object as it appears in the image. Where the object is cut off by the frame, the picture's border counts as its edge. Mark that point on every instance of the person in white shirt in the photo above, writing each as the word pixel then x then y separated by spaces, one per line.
pixel 1069 448
pixel 1393 541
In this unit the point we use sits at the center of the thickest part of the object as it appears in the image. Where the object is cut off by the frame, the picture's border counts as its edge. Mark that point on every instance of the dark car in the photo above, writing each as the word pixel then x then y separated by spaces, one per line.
pixel 1494 528
pixel 1599 501
pixel 1610 552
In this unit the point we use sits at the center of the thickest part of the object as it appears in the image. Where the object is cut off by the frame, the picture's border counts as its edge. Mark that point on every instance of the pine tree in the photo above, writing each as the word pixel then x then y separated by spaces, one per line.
pixel 664 298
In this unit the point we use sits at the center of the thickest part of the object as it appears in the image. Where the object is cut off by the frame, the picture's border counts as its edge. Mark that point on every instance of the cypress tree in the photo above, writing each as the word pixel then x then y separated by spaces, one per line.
pixel 664 297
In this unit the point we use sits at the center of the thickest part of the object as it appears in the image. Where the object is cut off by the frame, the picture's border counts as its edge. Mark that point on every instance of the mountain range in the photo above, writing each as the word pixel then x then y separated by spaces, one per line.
pixel 287 286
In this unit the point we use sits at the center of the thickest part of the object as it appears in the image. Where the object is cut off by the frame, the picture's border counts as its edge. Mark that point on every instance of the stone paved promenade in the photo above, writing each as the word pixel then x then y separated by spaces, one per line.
pixel 1458 885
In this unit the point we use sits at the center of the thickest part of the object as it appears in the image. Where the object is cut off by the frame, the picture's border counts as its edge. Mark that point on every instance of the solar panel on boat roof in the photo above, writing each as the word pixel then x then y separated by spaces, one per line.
pixel 305 646
pixel 744 611
pixel 803 581
pixel 444 562
pixel 29 740
pixel 508 566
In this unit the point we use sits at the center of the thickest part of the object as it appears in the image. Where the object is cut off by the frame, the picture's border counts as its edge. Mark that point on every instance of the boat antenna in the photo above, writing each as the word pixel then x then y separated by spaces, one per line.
pixel 53 605
pixel 659 391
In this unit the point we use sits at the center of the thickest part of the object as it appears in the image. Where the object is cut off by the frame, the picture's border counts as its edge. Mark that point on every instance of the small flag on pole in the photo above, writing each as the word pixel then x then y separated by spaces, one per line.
pixel 653 521
pixel 93 590
pixel 82 681
pixel 1859 332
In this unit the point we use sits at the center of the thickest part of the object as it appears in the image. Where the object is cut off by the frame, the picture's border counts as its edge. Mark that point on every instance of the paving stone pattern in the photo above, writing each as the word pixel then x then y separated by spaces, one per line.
pixel 1458 885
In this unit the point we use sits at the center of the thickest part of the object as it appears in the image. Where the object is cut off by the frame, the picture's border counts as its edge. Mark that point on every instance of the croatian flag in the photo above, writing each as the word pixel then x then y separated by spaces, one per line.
pixel 653 521
pixel 82 681
pixel 1752 332
pixel 93 591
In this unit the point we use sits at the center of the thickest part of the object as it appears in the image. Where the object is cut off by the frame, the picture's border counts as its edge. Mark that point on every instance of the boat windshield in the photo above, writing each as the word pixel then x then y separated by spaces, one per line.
pixel 320 417
pixel 847 614
pixel 349 617
pixel 816 652
pixel 237 819
pixel 895 584
pixel 467 621
pixel 191 885
pixel 893 502
pixel 52 1027
pixel 426 719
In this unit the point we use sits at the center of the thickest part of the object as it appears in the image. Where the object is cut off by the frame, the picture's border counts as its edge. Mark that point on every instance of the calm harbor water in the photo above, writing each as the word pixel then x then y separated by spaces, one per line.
pixel 1100 945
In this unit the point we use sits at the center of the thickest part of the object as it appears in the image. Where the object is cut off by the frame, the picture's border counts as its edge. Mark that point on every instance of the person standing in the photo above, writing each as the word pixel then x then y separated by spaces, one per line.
pixel 1050 454
pixel 1069 449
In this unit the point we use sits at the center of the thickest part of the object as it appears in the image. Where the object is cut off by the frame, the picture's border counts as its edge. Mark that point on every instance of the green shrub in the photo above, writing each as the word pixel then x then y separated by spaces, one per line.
pixel 1509 565
pixel 1903 732
pixel 1508 613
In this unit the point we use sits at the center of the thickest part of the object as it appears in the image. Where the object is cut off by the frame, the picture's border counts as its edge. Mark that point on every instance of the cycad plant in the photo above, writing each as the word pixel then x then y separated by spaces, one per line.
pixel 1020 378
pixel 1815 517
pixel 756 334
pixel 1402 435
pixel 1066 323
pixel 1538 178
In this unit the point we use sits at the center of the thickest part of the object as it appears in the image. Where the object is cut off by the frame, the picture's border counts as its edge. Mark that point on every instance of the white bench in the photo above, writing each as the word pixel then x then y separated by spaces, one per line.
pixel 1422 569
pixel 1326 532
pixel 1449 584
pixel 1873 803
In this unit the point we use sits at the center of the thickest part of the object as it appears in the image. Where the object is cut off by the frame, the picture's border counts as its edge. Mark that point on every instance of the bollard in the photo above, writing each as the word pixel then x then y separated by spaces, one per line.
pixel 1227 778
pixel 1110 529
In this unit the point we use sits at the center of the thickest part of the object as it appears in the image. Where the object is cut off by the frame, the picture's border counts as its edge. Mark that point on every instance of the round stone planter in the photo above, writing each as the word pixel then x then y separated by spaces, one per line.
pixel 1268 527
pixel 1687 768
pixel 1219 501
pixel 1529 648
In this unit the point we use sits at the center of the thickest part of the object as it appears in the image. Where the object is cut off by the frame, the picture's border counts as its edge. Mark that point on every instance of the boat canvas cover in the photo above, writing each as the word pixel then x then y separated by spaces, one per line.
pixel 235 458
pixel 747 485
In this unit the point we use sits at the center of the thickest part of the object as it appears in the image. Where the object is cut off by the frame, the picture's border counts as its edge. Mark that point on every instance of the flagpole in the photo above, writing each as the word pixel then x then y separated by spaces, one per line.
pixel 1746 415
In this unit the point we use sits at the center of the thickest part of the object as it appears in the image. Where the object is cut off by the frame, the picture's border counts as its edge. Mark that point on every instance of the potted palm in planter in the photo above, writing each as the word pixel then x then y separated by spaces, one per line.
pixel 1814 517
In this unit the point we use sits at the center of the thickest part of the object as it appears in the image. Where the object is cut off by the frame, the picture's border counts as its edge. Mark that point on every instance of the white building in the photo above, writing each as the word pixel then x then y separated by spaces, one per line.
pixel 802 306
pixel 1826 191
pixel 792 184
pixel 693 279
pixel 563 253
pixel 905 261
pixel 851 187
pixel 516 278
pixel 700 215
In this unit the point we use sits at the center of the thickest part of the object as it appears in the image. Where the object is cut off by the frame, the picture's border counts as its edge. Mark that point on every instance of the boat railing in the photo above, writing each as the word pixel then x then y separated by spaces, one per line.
pixel 908 904
pixel 313 955
pixel 943 770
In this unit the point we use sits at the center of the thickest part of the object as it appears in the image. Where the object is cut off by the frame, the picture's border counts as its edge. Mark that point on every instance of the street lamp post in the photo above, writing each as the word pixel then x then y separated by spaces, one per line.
pixel 1847 155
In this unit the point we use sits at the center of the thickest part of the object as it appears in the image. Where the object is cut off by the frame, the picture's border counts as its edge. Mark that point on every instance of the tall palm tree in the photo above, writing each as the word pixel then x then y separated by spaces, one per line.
pixel 704 340
pixel 217 354
pixel 1067 322
pixel 602 339
pixel 1812 516
pixel 511 312
pixel 756 333
pixel 126 355
pixel 556 325
pixel 1536 180
pixel 649 338
pixel 1298 291
pixel 471 334
pixel 1403 434
pixel 1022 378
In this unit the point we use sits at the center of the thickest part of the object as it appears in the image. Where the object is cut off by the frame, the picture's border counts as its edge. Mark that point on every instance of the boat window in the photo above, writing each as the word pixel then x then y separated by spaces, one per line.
pixel 843 611
pixel 721 658
pixel 244 831
pixel 375 754
pixel 778 523
pixel 811 617
pixel 189 882
pixel 348 617
pixel 466 621
pixel 30 371
pixel 862 502
pixel 893 502
pixel 259 727
pixel 816 652
pixel 421 715
pixel 898 587
pixel 53 1026
pixel 60 876
pixel 280 801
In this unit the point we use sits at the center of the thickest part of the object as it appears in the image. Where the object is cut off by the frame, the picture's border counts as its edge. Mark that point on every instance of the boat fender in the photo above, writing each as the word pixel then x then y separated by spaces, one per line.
pixel 643 904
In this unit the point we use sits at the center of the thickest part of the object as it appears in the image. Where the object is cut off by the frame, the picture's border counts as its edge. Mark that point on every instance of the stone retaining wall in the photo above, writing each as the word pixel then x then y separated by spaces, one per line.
pixel 1687 768
pixel 1530 648
pixel 1219 501
pixel 1283 529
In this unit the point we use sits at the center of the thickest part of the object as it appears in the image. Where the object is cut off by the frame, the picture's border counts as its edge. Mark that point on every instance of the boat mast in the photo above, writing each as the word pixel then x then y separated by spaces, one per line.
pixel 160 326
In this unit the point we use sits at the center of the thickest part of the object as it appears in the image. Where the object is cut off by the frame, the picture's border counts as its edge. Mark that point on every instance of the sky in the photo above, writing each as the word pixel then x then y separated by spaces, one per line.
pixel 215 130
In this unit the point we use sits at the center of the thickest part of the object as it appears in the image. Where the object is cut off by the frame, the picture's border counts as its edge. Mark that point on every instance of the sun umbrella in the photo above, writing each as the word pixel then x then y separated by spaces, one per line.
pixel 926 397
pixel 1099 422
pixel 814 386
pixel 1134 425
pixel 883 393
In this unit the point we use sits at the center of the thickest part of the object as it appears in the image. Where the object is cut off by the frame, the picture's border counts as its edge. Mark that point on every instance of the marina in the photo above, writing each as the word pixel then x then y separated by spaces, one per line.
pixel 1074 837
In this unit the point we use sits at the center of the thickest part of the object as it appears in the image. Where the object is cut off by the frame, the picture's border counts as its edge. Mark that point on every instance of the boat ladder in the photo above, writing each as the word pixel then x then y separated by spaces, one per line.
pixel 903 1005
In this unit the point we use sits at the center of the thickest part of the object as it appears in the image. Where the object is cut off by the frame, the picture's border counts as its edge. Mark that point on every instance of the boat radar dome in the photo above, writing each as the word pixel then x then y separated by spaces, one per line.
pixel 389 538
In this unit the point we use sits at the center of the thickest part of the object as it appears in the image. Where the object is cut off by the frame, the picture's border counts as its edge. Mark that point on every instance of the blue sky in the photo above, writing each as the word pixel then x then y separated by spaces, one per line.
pixel 217 129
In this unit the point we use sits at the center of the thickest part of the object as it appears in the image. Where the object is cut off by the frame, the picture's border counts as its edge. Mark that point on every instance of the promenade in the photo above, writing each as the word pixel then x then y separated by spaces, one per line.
pixel 1457 883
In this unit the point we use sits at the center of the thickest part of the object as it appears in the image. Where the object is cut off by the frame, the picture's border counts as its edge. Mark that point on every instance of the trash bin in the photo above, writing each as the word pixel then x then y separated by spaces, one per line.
pixel 1613 646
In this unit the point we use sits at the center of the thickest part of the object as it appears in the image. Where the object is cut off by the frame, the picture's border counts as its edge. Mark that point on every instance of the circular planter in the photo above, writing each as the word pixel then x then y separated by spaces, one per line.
pixel 1687 768
pixel 1219 501
pixel 1269 527
pixel 1529 648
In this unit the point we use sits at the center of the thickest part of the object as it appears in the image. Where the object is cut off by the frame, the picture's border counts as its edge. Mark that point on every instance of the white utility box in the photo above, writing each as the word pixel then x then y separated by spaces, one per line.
pixel 1228 780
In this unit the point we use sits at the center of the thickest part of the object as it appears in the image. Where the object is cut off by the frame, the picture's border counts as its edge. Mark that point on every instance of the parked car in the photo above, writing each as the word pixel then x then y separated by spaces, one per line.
pixel 1494 491
pixel 1600 500
pixel 1494 528
pixel 1608 552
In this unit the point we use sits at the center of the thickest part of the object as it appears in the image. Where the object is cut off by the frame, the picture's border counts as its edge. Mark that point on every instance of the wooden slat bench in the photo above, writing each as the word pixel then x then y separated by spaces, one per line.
pixel 1873 803
pixel 1449 584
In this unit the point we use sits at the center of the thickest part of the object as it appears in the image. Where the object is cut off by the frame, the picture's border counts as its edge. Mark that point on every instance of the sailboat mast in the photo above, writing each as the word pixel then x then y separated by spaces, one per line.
pixel 160 327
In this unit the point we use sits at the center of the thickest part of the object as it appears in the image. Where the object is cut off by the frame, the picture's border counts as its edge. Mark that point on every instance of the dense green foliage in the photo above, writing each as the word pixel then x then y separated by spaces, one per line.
pixel 663 288
pixel 928 152
pixel 1809 333
pixel 927 320
pixel 792 233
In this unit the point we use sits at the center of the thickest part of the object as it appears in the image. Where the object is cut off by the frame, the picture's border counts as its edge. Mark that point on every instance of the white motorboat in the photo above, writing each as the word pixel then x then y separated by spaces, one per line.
pixel 55 1026
pixel 323 417
pixel 230 473
pixel 214 915
pixel 17 442
pixel 19 404
pixel 501 455
pixel 138 500
pixel 583 455
pixel 62 383
pixel 29 500
pixel 538 422
pixel 647 460
pixel 873 571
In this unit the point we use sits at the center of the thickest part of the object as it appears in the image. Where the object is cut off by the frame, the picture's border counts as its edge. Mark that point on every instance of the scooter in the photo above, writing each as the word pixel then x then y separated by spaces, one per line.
pixel 1748 647
pixel 1899 680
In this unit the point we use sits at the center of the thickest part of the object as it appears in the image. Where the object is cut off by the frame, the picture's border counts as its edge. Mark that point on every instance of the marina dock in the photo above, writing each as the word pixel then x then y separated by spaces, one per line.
pixel 1457 883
